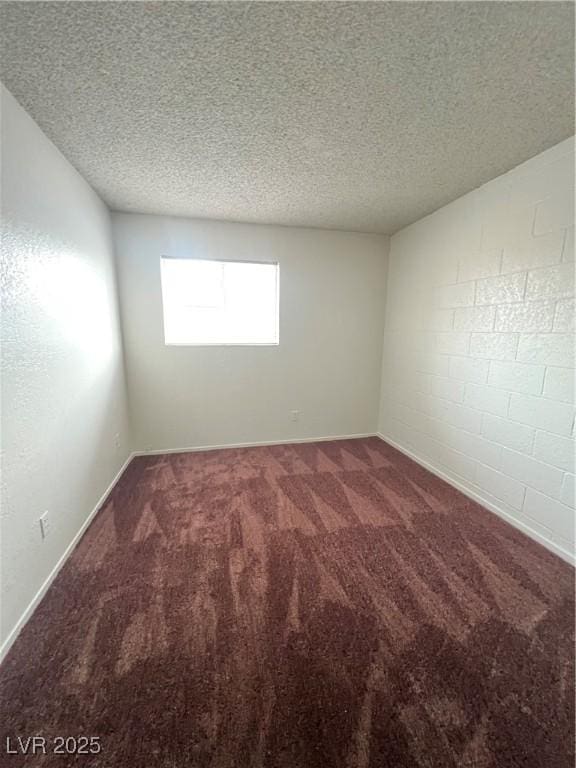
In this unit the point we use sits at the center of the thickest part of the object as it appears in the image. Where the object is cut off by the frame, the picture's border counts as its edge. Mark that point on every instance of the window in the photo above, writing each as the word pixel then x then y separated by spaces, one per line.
pixel 219 302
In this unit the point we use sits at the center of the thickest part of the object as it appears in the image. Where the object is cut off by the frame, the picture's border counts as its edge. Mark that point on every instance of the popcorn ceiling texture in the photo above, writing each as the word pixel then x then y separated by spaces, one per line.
pixel 360 116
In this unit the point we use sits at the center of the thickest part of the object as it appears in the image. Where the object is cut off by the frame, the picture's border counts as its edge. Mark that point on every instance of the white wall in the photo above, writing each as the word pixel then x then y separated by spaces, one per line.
pixel 477 371
pixel 477 376
pixel 63 388
pixel 327 365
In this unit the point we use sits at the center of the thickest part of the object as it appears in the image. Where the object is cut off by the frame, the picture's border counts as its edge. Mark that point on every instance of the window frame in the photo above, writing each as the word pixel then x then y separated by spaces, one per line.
pixel 265 262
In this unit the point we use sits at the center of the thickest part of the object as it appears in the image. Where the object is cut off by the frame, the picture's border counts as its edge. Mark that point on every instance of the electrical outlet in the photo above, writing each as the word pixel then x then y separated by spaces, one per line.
pixel 117 440
pixel 294 415
pixel 44 525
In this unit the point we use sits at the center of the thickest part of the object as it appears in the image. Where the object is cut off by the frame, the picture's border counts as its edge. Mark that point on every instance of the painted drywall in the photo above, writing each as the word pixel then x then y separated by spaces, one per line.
pixel 477 377
pixel 327 365
pixel 64 416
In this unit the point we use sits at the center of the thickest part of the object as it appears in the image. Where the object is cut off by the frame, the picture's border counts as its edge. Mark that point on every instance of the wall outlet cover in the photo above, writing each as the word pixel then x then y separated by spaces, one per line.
pixel 44 525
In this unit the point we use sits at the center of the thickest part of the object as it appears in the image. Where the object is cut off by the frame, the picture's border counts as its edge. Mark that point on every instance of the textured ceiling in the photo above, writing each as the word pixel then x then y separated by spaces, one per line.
pixel 362 116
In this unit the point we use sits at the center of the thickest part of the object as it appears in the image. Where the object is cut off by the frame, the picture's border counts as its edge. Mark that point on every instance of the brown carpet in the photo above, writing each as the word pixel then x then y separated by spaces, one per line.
pixel 328 605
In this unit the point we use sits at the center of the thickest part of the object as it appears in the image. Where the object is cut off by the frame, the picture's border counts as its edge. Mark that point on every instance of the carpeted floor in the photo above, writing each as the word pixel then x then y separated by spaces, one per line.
pixel 327 605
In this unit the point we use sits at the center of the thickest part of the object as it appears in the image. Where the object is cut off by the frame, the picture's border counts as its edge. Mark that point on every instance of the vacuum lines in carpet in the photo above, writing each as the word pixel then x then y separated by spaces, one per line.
pixel 326 605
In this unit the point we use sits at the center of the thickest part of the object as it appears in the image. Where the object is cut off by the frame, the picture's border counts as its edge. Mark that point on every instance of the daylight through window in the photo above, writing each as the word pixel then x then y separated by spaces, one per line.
pixel 219 302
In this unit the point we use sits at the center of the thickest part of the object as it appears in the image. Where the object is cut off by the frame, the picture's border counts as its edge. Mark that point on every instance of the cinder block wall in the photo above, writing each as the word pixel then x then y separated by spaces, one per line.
pixel 478 378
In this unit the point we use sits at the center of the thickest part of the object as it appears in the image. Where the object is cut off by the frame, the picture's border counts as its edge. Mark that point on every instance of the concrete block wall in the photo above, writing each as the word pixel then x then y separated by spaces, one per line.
pixel 478 364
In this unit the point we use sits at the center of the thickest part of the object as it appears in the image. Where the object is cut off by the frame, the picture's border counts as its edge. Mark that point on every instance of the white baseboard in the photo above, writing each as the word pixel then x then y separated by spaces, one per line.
pixel 7 644
pixel 477 497
pixel 291 441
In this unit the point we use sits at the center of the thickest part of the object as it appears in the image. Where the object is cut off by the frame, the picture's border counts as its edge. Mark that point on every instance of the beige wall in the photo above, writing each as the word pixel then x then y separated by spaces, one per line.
pixel 327 365
pixel 478 366
pixel 64 416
